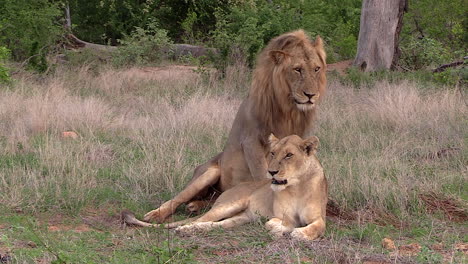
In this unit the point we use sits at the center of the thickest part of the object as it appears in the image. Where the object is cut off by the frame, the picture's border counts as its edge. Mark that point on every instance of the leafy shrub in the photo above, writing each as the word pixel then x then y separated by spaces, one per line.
pixel 29 27
pixel 359 79
pixel 422 53
pixel 246 28
pixel 142 46
pixel 4 74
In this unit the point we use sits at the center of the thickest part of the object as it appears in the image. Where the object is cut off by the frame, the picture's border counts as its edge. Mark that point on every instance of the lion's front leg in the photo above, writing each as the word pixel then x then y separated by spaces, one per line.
pixel 254 154
pixel 309 232
pixel 208 178
pixel 278 227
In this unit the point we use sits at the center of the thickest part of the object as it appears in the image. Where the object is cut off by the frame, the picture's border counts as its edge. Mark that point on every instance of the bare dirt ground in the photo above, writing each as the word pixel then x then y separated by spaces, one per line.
pixel 340 67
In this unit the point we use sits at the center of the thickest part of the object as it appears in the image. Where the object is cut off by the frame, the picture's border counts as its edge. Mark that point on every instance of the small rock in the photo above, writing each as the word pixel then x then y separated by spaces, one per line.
pixel 387 243
pixel 463 247
pixel 32 244
pixel 437 247
pixel 409 250
pixel 69 134
pixel 5 258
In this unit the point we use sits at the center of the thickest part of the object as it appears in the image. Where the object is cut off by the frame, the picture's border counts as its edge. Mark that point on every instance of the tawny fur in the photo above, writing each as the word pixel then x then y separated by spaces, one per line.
pixel 287 84
pixel 298 207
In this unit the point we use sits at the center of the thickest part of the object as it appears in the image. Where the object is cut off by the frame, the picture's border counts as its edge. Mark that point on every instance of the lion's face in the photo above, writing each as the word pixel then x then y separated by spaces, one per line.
pixel 290 159
pixel 302 70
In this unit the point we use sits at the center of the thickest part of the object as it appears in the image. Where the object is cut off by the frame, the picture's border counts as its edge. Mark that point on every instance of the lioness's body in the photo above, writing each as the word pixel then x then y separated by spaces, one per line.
pixel 298 206
pixel 287 83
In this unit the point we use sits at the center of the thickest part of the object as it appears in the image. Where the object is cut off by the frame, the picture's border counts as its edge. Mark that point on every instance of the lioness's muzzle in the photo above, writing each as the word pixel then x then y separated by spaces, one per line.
pixel 279 182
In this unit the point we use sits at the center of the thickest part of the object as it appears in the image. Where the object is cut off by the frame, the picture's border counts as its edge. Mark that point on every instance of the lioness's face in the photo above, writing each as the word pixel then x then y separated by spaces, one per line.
pixel 303 68
pixel 290 159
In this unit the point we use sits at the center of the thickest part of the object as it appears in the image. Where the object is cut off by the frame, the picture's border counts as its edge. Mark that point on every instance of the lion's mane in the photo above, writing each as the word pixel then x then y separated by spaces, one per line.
pixel 272 108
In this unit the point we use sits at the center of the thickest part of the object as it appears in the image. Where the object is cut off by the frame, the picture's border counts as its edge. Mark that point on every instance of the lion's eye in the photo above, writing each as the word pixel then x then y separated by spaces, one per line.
pixel 317 69
pixel 272 153
pixel 298 69
pixel 289 155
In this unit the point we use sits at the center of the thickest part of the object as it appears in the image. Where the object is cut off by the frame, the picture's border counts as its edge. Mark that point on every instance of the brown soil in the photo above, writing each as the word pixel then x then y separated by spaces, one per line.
pixel 340 66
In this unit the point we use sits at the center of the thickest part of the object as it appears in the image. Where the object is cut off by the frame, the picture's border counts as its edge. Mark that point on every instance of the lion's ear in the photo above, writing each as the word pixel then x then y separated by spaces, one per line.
pixel 318 42
pixel 272 140
pixel 310 145
pixel 277 56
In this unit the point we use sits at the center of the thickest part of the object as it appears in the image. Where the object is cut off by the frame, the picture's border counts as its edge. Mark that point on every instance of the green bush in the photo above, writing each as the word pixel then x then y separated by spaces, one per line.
pixel 247 28
pixel 4 72
pixel 143 46
pixel 29 28
pixel 422 53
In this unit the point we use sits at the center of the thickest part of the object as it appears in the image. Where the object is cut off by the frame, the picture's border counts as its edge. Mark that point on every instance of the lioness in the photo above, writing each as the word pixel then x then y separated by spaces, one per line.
pixel 294 198
pixel 287 83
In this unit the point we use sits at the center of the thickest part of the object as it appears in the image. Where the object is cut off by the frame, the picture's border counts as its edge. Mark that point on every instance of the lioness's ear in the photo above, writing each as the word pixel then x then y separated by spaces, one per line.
pixel 277 56
pixel 310 145
pixel 272 140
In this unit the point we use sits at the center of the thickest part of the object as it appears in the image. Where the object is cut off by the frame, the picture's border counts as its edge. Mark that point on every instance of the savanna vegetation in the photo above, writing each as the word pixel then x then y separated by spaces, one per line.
pixel 138 121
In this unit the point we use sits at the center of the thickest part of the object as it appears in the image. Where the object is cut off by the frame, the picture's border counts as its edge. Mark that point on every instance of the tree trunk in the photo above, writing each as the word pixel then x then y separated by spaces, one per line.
pixel 381 23
pixel 67 17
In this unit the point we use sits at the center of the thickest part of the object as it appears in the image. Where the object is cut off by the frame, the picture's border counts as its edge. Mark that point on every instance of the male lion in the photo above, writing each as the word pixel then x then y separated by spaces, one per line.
pixel 287 83
pixel 294 198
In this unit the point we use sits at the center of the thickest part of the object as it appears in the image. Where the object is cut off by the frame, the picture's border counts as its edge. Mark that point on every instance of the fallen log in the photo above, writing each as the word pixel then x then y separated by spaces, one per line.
pixel 448 65
pixel 78 43
pixel 176 50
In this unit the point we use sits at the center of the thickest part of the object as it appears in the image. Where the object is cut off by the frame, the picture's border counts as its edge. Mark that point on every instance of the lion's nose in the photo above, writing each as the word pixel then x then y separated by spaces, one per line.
pixel 309 95
pixel 273 173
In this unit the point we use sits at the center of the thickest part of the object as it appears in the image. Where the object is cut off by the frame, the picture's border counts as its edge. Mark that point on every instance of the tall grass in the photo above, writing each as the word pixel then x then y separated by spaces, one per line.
pixel 143 131
pixel 384 146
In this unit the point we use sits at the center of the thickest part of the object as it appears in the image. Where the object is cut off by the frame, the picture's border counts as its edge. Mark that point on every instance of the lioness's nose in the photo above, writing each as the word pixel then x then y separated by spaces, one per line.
pixel 273 173
pixel 310 95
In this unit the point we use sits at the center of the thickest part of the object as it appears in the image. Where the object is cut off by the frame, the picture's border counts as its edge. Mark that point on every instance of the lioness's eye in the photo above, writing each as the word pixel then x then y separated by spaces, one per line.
pixel 317 69
pixel 289 155
pixel 272 153
pixel 298 70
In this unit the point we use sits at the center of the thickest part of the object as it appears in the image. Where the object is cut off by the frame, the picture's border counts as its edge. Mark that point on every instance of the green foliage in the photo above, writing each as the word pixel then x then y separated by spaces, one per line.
pixel 423 53
pixel 434 32
pixel 29 27
pixel 143 45
pixel 4 72
pixel 248 27
pixel 106 21
pixel 359 79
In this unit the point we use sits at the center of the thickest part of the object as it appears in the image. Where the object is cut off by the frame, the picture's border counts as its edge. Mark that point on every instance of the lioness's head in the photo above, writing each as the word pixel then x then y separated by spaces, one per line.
pixel 291 160
pixel 299 69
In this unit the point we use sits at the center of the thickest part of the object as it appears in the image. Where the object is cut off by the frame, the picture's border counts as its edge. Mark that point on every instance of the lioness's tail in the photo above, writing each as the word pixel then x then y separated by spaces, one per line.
pixel 129 218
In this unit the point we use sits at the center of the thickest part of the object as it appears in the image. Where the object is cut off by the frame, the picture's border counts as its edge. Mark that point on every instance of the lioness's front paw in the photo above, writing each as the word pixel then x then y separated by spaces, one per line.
pixel 276 227
pixel 194 227
pixel 301 234
pixel 298 234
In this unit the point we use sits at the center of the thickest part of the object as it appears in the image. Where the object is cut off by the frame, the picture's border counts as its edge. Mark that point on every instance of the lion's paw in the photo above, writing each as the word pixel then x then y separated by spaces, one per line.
pixel 160 214
pixel 195 206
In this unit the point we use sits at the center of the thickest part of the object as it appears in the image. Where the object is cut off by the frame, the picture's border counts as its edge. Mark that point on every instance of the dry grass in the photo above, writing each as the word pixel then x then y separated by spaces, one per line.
pixel 143 131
